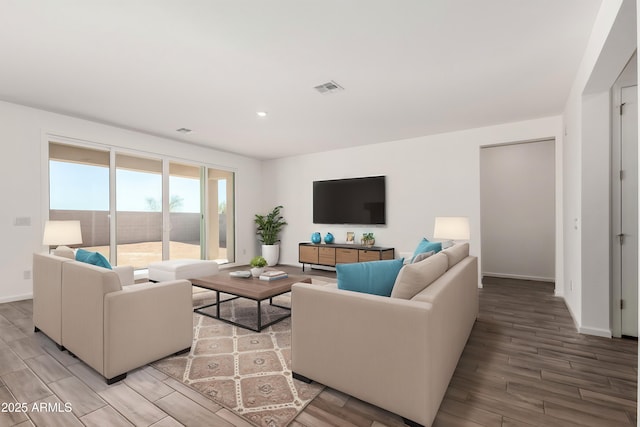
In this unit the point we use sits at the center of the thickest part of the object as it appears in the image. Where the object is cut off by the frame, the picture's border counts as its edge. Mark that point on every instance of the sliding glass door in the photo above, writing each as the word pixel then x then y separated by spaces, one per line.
pixel 221 215
pixel 138 210
pixel 160 209
pixel 185 207
pixel 79 190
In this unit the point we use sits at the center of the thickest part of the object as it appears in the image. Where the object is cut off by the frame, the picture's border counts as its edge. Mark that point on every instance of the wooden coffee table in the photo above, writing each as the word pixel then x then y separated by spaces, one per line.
pixel 250 288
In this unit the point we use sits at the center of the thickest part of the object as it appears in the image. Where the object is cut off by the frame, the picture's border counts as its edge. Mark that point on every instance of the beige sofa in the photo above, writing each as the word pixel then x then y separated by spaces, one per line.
pixel 396 353
pixel 110 327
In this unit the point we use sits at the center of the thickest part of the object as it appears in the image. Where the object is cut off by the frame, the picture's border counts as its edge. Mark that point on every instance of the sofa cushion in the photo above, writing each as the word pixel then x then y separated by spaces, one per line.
pixel 421 257
pixel 413 278
pixel 373 277
pixel 95 258
pixel 426 246
pixel 456 253
pixel 64 251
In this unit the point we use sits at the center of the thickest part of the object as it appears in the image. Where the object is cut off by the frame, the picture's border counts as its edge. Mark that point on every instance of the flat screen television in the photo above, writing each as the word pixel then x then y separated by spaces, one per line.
pixel 350 201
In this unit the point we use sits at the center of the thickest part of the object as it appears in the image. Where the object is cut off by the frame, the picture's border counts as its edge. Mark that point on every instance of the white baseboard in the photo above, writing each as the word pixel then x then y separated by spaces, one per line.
pixel 606 333
pixel 16 298
pixel 519 277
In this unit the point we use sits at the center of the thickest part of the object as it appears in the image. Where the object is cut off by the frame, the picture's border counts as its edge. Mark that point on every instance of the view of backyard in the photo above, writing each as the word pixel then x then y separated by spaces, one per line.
pixel 146 210
pixel 140 255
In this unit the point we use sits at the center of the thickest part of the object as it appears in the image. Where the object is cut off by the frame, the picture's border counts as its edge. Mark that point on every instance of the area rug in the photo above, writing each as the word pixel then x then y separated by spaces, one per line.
pixel 245 371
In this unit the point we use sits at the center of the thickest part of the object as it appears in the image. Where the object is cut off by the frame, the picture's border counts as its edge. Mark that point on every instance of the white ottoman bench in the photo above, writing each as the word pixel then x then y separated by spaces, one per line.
pixel 177 269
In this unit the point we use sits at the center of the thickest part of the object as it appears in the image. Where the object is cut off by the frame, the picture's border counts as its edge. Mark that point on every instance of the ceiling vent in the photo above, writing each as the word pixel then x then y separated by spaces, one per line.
pixel 329 87
pixel 184 130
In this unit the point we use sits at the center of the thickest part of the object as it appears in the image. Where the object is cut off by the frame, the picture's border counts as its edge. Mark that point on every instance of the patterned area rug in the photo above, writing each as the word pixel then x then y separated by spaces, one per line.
pixel 247 372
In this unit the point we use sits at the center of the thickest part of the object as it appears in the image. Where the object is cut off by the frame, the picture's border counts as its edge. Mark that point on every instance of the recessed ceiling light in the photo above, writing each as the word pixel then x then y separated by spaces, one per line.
pixel 184 130
pixel 262 114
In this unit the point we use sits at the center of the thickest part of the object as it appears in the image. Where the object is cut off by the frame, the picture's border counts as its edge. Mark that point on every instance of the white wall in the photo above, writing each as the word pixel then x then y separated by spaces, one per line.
pixel 430 176
pixel 585 167
pixel 518 210
pixel 23 183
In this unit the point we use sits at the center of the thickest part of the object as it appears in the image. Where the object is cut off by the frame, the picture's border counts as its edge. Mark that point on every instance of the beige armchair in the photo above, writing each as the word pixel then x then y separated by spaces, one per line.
pixel 115 329
pixel 47 293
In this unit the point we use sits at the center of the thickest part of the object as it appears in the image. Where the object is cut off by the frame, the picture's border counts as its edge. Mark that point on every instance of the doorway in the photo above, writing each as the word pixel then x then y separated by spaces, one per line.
pixel 624 209
pixel 517 210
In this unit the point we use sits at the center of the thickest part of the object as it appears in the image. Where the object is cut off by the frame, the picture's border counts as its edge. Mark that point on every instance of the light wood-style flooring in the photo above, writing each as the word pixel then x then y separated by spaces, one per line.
pixel 524 365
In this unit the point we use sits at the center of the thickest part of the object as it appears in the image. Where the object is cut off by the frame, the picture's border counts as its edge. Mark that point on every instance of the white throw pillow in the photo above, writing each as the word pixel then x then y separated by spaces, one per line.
pixel 413 278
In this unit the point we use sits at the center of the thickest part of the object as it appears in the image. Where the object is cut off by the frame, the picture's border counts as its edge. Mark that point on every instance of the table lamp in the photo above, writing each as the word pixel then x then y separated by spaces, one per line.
pixel 57 233
pixel 451 228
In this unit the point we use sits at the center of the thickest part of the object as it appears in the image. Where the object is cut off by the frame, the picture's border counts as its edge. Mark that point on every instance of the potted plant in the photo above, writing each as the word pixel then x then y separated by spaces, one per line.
pixel 368 239
pixel 257 264
pixel 268 228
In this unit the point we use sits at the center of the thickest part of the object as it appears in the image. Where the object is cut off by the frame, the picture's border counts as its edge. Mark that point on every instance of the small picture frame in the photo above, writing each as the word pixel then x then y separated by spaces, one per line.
pixel 350 237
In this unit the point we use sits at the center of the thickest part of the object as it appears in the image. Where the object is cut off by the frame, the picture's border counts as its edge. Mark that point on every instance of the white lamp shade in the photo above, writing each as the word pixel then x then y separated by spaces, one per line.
pixel 58 233
pixel 451 227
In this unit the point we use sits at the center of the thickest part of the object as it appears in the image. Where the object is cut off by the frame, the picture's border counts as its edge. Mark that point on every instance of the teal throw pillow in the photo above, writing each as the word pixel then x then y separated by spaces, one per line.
pixel 95 258
pixel 373 277
pixel 426 246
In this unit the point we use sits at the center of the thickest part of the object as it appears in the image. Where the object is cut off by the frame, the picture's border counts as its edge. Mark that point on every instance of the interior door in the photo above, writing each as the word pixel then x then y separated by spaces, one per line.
pixel 628 238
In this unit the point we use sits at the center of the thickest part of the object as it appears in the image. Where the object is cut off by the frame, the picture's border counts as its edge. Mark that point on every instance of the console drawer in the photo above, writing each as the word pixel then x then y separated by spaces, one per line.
pixel 366 255
pixel 308 254
pixel 345 256
pixel 327 256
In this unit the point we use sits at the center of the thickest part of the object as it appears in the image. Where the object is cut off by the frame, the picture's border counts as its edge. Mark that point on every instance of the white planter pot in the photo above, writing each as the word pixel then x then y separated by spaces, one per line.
pixel 271 253
pixel 257 271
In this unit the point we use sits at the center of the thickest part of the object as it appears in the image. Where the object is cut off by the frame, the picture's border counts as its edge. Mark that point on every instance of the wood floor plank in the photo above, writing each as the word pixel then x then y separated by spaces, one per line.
pixel 445 419
pixel 597 397
pixel 147 385
pixel 51 414
pixel 105 416
pixel 582 418
pixel 374 413
pixel 9 361
pixel 189 413
pixel 12 415
pixel 192 394
pixel 468 412
pixel 11 333
pixel 26 347
pixel 131 405
pixel 25 386
pixel 71 389
pixel 47 368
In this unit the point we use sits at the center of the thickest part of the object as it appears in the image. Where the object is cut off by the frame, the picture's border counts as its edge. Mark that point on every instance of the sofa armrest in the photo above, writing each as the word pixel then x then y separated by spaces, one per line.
pixel 125 273
pixel 146 322
pixel 371 347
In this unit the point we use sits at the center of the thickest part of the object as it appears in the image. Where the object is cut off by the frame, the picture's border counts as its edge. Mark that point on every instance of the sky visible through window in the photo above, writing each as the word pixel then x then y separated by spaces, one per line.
pixel 75 186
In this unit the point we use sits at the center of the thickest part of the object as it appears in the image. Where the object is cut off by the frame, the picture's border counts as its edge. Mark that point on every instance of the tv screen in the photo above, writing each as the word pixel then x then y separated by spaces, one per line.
pixel 350 201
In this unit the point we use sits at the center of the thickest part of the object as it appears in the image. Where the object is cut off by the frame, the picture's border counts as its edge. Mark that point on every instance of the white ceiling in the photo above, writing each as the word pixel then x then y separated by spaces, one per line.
pixel 409 67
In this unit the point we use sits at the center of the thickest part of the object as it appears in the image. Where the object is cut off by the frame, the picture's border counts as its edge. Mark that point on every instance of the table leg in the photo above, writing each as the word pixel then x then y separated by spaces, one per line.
pixel 259 317
pixel 218 304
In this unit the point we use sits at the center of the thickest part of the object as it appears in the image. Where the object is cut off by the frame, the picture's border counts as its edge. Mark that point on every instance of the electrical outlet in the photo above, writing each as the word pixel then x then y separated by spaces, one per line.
pixel 26 274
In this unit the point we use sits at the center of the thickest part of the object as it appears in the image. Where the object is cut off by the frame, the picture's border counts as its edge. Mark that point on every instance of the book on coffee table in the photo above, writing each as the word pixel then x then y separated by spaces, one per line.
pixel 273 275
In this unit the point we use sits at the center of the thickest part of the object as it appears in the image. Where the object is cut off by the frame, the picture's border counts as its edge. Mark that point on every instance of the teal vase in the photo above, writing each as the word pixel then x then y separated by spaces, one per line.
pixel 328 238
pixel 315 238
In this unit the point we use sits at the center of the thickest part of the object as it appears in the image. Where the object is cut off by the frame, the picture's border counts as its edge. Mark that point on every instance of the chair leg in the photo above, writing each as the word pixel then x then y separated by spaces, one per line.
pixel 301 378
pixel 186 350
pixel 410 423
pixel 116 378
